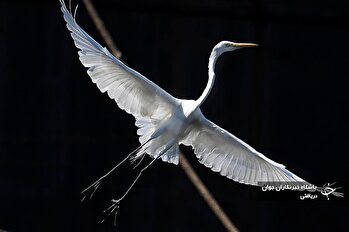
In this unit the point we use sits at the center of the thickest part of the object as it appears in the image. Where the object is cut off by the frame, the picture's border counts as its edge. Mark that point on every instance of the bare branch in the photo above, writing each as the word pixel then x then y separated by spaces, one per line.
pixel 205 193
pixel 102 29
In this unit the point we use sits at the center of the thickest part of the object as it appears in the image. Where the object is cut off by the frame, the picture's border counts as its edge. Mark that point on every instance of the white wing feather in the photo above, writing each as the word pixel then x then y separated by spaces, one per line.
pixel 221 151
pixel 132 91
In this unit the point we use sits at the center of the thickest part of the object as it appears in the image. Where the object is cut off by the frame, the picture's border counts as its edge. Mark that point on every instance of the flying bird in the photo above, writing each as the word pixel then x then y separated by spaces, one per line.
pixel 164 121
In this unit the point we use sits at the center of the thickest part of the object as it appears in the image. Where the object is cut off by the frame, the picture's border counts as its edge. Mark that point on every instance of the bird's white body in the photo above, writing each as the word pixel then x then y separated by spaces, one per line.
pixel 169 132
pixel 165 122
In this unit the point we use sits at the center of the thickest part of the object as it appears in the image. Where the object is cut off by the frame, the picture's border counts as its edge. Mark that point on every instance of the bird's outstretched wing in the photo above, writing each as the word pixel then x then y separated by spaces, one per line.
pixel 132 91
pixel 221 151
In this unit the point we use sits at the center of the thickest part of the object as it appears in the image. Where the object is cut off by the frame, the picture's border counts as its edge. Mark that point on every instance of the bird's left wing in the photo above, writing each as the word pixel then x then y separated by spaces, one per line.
pixel 132 91
pixel 221 151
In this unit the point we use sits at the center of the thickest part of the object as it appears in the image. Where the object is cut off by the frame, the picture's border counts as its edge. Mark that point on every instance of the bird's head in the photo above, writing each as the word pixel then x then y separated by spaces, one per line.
pixel 227 46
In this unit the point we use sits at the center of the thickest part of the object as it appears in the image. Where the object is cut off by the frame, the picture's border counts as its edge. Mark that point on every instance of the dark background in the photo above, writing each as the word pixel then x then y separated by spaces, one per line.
pixel 58 133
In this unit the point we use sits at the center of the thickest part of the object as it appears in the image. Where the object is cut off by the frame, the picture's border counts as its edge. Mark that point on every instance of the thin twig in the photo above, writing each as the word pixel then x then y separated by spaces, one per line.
pixel 101 28
pixel 185 165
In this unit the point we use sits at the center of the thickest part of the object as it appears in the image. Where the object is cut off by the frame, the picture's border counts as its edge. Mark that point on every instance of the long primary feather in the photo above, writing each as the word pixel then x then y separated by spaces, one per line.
pixel 133 92
pixel 221 151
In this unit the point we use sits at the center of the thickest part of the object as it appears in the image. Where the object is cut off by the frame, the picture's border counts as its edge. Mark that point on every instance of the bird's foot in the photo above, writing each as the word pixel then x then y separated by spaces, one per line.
pixel 112 209
pixel 88 192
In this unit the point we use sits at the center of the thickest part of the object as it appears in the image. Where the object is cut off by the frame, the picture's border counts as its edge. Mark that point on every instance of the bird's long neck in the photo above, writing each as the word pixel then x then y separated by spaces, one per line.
pixel 211 77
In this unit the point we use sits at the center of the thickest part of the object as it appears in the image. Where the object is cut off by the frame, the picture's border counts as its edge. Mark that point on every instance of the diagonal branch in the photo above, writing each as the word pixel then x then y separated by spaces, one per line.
pixel 205 193
pixel 102 29
pixel 185 165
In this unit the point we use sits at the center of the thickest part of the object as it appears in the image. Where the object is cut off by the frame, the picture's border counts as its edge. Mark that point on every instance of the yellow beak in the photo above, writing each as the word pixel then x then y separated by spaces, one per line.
pixel 243 45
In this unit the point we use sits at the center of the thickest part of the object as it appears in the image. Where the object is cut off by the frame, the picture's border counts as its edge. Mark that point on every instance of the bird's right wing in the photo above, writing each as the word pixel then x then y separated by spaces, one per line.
pixel 132 91
pixel 221 151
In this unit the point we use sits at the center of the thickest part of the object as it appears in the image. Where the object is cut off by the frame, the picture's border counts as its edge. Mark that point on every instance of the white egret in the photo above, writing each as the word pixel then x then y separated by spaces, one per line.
pixel 165 122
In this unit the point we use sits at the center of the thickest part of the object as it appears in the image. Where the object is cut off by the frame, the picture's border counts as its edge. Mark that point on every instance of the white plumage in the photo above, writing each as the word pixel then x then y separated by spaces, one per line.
pixel 221 151
pixel 164 121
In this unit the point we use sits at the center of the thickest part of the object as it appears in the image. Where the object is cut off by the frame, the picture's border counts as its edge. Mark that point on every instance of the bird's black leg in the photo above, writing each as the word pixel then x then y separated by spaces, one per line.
pixel 89 191
pixel 116 203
